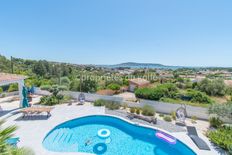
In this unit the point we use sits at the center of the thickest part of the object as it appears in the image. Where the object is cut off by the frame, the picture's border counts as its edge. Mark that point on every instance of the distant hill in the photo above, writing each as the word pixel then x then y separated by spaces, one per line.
pixel 141 65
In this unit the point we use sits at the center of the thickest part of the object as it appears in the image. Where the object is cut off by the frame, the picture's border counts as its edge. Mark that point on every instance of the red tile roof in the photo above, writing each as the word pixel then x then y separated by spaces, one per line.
pixel 4 77
pixel 106 92
pixel 139 81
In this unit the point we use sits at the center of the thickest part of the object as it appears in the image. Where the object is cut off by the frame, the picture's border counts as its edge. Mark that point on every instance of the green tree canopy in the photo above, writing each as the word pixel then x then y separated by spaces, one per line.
pixel 215 87
pixel 89 85
pixel 65 81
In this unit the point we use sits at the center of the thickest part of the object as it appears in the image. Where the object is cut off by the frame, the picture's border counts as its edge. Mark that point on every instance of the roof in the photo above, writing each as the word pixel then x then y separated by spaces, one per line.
pixel 10 78
pixel 106 92
pixel 139 81
pixel 228 82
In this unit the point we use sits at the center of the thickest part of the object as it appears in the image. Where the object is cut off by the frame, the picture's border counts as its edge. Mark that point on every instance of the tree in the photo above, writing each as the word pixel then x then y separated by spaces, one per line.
pixel 65 81
pixel 4 64
pixel 215 87
pixel 75 85
pixel 88 85
pixel 197 96
pixel 39 68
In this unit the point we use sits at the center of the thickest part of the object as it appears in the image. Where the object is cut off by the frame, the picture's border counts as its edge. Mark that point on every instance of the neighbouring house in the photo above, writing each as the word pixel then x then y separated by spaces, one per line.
pixel 166 75
pixel 228 82
pixel 198 78
pixel 108 92
pixel 124 89
pixel 137 83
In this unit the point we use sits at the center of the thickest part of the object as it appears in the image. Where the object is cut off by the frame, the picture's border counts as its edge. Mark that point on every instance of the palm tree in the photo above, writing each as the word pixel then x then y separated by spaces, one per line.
pixel 5 149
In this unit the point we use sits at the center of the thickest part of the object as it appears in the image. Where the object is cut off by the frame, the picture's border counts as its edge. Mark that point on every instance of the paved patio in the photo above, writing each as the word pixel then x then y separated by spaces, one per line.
pixel 32 130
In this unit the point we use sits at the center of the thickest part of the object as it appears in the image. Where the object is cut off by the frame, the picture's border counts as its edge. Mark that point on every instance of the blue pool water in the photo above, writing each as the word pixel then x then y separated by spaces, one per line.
pixel 81 135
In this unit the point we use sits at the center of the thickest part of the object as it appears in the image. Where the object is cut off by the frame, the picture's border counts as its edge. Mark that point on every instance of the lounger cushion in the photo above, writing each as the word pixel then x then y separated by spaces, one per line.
pixel 199 142
pixel 192 130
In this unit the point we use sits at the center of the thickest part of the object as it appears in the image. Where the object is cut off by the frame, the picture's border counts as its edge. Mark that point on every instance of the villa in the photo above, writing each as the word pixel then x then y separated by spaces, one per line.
pixel 88 129
pixel 137 83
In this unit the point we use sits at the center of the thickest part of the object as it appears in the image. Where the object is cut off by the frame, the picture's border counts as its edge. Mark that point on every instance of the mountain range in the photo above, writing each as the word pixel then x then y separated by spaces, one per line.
pixel 140 65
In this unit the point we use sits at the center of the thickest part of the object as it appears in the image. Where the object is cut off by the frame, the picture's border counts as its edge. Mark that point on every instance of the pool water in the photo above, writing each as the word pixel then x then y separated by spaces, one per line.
pixel 81 135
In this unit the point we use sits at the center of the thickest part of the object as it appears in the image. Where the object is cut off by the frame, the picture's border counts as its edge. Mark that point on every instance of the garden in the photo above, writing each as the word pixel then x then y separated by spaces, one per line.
pixel 220 132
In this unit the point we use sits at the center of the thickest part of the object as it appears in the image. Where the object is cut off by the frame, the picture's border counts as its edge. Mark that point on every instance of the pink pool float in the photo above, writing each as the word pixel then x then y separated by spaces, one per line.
pixel 166 137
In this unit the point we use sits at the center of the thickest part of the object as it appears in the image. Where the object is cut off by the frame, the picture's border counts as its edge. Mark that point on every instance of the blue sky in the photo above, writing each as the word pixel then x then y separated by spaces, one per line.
pixel 171 32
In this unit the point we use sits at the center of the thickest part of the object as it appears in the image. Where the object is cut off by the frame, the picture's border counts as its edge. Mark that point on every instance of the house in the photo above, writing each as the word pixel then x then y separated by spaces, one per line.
pixel 6 79
pixel 198 78
pixel 228 83
pixel 137 83
pixel 107 92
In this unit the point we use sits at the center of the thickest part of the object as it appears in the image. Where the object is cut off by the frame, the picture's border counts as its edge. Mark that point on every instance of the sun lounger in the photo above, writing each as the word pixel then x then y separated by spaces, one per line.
pixel 200 143
pixel 36 111
pixel 192 130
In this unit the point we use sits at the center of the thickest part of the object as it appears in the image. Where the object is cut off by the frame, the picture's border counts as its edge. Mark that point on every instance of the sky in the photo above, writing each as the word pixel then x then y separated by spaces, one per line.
pixel 170 32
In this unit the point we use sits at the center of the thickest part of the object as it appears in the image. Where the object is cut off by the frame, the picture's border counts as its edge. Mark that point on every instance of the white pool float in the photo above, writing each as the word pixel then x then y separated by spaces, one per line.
pixel 103 133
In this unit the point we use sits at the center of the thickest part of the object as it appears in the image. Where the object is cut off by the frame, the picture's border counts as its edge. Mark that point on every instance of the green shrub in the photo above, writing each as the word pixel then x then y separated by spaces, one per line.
pixel 113 86
pixel 132 110
pixel 125 105
pixel 164 90
pixel 193 119
pixel 167 118
pixel 230 150
pixel 63 88
pixel 46 87
pixel 161 115
pixel 173 114
pixel 75 85
pixel 145 93
pixel 222 137
pixel 99 103
pixel 112 105
pixel 55 98
pixel 43 99
pixel 1 90
pixel 197 96
pixel 13 87
pixel 148 110
pixel 3 95
pixel 49 100
pixel 137 111
pixel 66 99
pixel 64 81
pixel 88 85
pixel 221 110
pixel 215 122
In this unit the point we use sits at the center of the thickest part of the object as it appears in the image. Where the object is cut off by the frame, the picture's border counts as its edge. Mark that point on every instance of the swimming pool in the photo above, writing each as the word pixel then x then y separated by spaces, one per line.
pixel 108 135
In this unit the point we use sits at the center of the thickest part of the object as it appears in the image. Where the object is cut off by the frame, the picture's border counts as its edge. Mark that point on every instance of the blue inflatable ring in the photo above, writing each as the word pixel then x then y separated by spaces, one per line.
pixel 100 148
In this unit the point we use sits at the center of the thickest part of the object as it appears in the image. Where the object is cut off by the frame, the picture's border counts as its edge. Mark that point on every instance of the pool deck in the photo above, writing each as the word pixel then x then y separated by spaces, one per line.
pixel 32 130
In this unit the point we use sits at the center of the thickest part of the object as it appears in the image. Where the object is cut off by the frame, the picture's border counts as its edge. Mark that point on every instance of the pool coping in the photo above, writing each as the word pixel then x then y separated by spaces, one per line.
pixel 179 136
